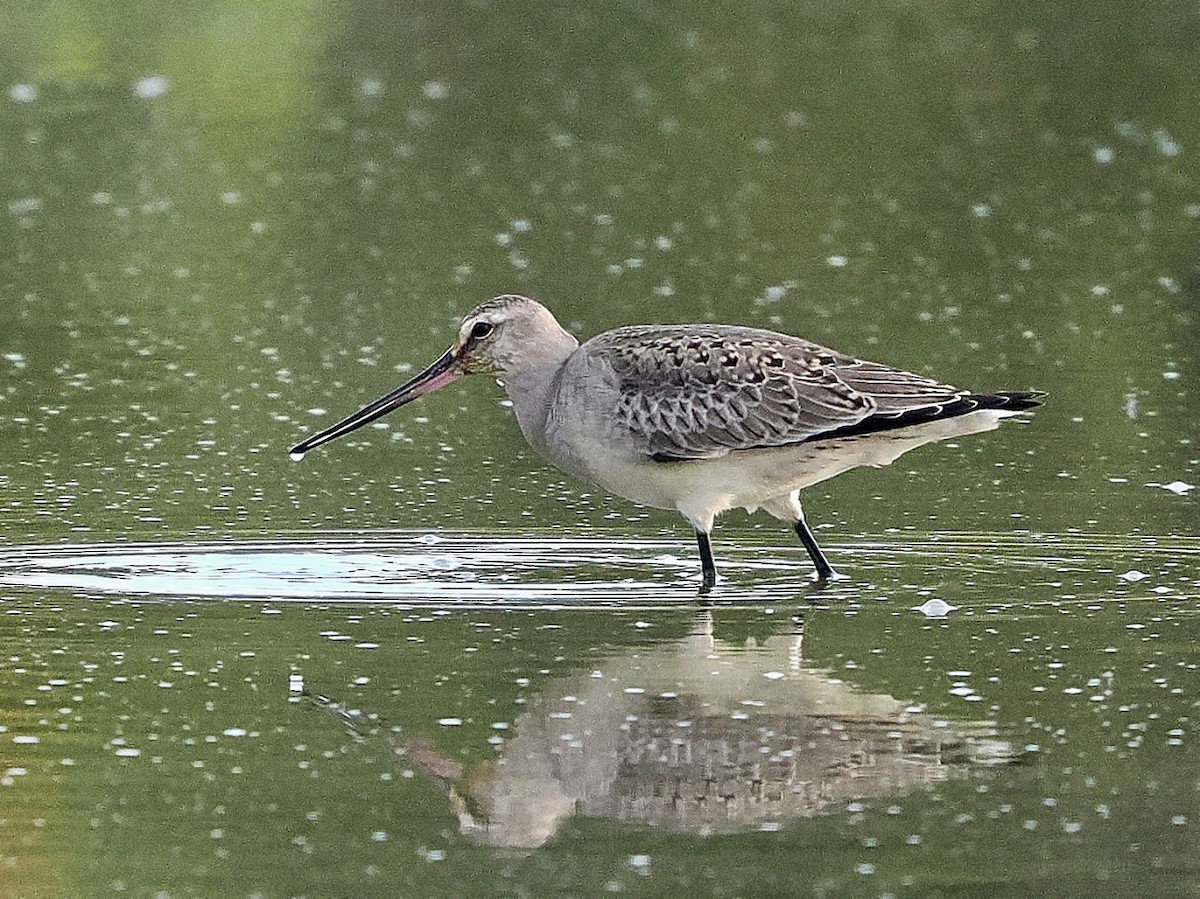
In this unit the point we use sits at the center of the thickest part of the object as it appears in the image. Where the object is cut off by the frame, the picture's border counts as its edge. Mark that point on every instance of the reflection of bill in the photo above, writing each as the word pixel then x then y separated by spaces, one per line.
pixel 702 737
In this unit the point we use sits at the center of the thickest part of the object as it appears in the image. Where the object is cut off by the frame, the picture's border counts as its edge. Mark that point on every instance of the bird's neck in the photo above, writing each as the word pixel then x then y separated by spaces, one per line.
pixel 531 387
pixel 530 391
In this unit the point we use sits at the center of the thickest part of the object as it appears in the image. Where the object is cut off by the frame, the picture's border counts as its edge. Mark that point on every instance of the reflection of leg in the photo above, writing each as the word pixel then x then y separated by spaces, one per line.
pixel 707 564
pixel 796 650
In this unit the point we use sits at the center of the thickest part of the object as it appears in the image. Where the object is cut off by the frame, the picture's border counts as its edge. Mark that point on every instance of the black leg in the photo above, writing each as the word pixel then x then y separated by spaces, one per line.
pixel 824 569
pixel 706 562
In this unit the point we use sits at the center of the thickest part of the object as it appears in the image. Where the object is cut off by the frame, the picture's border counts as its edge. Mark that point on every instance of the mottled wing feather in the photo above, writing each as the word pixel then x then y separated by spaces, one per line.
pixel 694 393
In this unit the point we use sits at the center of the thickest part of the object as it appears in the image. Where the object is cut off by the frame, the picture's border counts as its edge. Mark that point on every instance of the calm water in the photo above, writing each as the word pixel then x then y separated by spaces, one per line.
pixel 422 663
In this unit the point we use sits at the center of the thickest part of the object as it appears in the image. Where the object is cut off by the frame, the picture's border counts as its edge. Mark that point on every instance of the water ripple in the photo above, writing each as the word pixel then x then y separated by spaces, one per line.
pixel 472 569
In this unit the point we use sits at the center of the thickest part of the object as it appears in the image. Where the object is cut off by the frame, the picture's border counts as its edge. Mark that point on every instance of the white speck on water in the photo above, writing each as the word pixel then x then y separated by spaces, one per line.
pixel 1179 820
pixel 432 855
pixel 17 360
pixel 663 242
pixel 234 732
pixel 635 690
pixel 150 87
pixel 961 691
pixel 317 410
pixel 1179 488
pixel 935 608
pixel 1170 376
pixel 379 836
pixel 642 625
pixel 864 868
pixel 450 722
pixel 26 739
pixel 836 261
pixel 1166 144
pixel 435 90
pixel 1103 155
pixel 366 645
pixel 981 210
pixel 773 675
pixel 371 87
pixel 1169 284
pixel 295 683
pixel 1133 576
pixel 231 197
pixel 640 863
pixel 23 93
pixel 128 752
pixel 296 456
pixel 521 225
pixel 25 206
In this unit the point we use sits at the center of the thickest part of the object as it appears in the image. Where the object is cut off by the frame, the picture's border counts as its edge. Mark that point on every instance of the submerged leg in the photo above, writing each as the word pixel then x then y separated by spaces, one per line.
pixel 787 508
pixel 824 569
pixel 707 564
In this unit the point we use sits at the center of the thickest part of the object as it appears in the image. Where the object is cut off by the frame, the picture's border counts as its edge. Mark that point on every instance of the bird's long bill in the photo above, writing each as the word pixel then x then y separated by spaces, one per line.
pixel 438 375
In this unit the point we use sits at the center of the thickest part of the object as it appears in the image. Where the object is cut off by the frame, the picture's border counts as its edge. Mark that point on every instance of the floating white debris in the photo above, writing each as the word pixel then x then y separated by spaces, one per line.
pixel 1179 488
pixel 450 722
pixel 773 675
pixel 1133 576
pixel 22 93
pixel 234 732
pixel 935 608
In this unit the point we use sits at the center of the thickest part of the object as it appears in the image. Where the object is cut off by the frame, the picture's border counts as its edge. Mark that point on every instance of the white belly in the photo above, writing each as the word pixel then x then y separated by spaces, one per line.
pixel 703 489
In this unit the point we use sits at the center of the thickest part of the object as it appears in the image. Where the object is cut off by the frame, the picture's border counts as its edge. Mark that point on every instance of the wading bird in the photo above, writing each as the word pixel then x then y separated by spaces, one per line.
pixel 697 418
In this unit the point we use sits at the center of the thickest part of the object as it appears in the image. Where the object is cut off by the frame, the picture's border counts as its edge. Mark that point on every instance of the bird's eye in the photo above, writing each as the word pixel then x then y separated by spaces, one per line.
pixel 481 330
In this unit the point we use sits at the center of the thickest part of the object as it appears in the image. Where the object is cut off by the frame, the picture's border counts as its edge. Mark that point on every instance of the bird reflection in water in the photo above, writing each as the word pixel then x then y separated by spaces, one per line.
pixel 699 736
